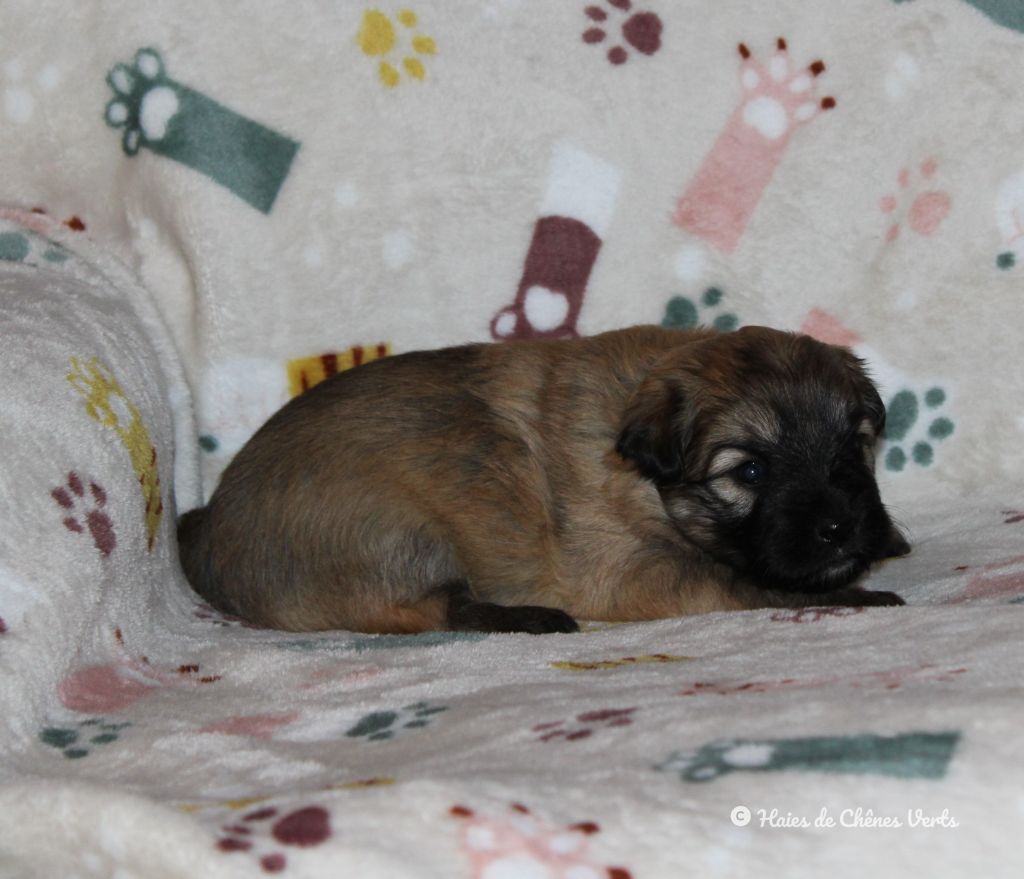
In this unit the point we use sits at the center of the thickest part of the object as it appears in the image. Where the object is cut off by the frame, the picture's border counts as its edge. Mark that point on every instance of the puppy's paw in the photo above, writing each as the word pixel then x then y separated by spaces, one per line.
pixel 481 616
pixel 862 598
pixel 467 614
pixel 880 599
pixel 539 620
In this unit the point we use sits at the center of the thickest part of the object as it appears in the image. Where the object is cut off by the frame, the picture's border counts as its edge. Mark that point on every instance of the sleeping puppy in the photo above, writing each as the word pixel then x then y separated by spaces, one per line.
pixel 634 475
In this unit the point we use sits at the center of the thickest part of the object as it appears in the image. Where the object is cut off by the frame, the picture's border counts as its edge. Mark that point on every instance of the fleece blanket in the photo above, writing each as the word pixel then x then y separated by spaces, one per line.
pixel 211 207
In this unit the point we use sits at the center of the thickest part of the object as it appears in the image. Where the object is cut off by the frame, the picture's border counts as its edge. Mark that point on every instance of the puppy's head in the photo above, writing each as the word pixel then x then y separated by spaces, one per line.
pixel 761 444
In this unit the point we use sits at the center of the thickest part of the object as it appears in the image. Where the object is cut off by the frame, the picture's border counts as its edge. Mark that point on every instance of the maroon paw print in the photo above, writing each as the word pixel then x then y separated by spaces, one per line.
pixel 640 31
pixel 82 512
pixel 302 828
pixel 590 720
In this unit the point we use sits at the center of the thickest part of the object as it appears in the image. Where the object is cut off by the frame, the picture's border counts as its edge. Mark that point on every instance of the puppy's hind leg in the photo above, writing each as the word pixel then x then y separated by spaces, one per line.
pixel 467 614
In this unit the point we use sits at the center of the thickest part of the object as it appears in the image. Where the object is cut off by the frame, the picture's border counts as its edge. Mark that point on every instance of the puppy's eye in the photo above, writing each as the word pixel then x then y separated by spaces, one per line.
pixel 750 473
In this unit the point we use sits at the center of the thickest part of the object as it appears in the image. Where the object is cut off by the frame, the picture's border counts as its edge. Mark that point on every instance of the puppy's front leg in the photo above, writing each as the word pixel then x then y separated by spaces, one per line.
pixel 467 614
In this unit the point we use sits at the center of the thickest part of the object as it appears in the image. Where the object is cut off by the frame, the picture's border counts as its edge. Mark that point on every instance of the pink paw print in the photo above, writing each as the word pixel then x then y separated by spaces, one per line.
pixel 778 95
pixel 929 208
pixel 105 689
pixel 86 512
pixel 777 98
pixel 999 580
pixel 520 845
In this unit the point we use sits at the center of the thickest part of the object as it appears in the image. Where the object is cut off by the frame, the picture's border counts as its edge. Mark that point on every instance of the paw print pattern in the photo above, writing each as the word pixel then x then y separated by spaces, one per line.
pixel 116 685
pixel 74 741
pixel 519 844
pixel 927 211
pixel 584 725
pixel 302 828
pixel 81 512
pixel 21 91
pixel 379 726
pixel 682 313
pixel 889 679
pixel 106 402
pixel 378 38
pixel 905 419
pixel 19 244
pixel 624 662
pixel 172 120
pixel 777 98
pixel 577 208
pixel 907 755
pixel 998 581
pixel 640 30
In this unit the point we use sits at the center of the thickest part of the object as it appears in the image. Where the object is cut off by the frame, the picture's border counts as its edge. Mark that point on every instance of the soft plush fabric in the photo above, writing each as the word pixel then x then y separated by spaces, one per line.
pixel 211 207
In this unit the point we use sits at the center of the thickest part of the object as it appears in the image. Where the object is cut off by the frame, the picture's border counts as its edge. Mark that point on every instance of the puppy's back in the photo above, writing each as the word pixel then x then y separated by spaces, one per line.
pixel 194 551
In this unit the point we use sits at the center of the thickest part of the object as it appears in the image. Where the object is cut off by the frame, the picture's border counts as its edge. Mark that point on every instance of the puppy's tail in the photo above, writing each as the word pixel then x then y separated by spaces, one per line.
pixel 196 558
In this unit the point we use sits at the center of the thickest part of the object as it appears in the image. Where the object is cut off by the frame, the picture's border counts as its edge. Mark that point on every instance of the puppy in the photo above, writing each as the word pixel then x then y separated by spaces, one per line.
pixel 634 475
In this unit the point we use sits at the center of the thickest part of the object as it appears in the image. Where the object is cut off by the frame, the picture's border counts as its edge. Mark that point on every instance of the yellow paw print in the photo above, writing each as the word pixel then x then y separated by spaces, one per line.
pixel 378 38
pixel 106 402
pixel 620 663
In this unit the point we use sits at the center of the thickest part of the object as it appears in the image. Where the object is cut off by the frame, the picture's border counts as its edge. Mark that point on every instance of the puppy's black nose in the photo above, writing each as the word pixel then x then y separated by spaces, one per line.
pixel 833 531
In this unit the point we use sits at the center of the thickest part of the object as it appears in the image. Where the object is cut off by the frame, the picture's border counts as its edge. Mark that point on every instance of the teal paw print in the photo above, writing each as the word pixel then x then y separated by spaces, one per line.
pixel 209 443
pixel 683 314
pixel 909 426
pixel 145 102
pixel 20 245
pixel 73 740
pixel 170 119
pixel 382 725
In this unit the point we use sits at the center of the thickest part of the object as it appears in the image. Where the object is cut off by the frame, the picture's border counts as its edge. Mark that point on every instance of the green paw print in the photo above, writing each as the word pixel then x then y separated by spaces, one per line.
pixel 73 740
pixel 382 725
pixel 683 314
pixel 906 417
pixel 172 120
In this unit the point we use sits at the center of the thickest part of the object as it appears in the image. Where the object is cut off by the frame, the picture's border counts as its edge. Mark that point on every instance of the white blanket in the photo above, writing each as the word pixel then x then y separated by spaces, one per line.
pixel 212 207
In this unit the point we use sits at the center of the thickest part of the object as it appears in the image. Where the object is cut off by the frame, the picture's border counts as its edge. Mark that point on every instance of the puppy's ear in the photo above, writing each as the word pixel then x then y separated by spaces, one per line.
pixel 897 544
pixel 874 408
pixel 654 430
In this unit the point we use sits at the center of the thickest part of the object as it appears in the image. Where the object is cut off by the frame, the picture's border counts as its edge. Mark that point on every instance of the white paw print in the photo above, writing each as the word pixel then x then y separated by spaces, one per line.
pixel 19 100
pixel 779 95
pixel 521 847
